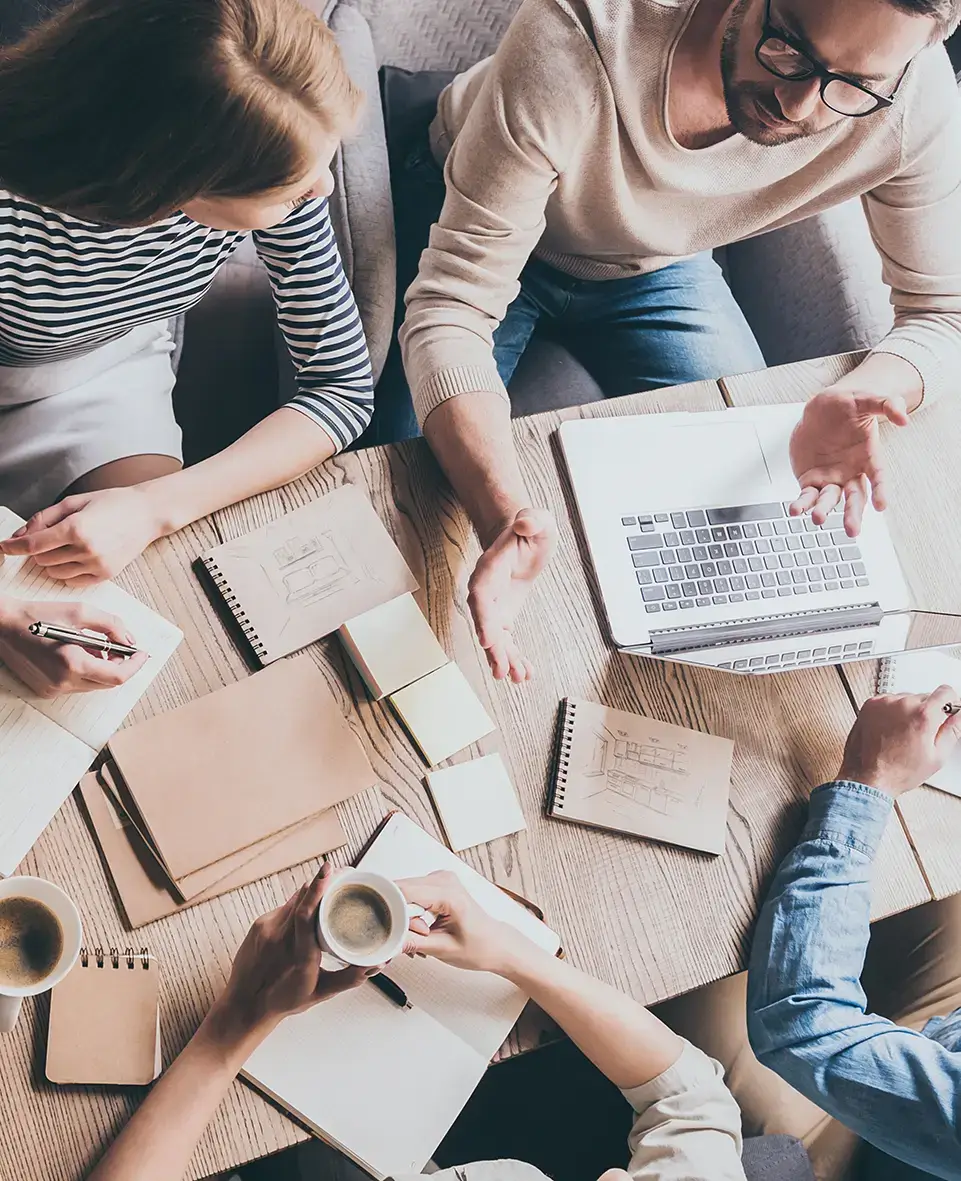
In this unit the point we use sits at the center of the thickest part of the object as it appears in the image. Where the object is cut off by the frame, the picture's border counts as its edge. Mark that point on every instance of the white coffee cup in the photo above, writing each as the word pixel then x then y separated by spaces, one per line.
pixel 335 954
pixel 52 897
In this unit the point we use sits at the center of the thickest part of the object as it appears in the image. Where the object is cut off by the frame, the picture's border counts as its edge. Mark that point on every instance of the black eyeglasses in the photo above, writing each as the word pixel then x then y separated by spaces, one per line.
pixel 783 57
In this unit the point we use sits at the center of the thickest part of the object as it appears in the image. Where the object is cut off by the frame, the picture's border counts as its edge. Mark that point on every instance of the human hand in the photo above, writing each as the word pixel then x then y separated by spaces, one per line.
pixel 90 537
pixel 49 668
pixel 277 970
pixel 898 742
pixel 501 580
pixel 836 451
pixel 463 933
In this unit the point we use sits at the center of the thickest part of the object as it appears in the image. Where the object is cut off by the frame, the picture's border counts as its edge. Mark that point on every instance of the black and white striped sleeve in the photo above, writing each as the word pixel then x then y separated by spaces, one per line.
pixel 319 320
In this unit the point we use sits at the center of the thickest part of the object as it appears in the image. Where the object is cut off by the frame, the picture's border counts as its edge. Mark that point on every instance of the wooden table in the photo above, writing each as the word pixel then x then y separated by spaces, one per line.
pixel 654 920
pixel 923 486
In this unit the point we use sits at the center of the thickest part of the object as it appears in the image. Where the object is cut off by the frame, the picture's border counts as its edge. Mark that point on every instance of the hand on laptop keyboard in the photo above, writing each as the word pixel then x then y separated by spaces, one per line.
pixel 836 453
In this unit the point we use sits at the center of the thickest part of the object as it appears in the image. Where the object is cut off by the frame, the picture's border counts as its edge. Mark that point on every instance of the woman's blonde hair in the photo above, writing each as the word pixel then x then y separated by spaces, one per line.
pixel 121 111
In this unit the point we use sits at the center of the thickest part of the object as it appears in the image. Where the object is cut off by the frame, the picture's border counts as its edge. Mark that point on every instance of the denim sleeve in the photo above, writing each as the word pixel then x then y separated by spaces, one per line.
pixel 898 1089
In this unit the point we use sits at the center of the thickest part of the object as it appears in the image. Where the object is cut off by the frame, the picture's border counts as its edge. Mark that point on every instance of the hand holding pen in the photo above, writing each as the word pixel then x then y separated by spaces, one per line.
pixel 49 666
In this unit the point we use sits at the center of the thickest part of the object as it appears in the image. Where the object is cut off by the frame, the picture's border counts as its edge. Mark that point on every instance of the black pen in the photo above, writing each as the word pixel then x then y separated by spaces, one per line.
pixel 951 709
pixel 392 991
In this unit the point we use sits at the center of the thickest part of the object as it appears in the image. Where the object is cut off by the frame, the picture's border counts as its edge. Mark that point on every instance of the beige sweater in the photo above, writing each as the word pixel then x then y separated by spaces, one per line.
pixel 559 145
pixel 687 1127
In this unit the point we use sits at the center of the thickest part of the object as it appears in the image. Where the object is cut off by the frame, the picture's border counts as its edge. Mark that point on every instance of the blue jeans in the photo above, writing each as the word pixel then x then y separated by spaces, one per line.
pixel 674 325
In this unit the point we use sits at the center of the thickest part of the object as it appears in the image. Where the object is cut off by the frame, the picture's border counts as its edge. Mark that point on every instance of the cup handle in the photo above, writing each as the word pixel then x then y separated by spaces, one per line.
pixel 331 963
pixel 9 1012
pixel 419 912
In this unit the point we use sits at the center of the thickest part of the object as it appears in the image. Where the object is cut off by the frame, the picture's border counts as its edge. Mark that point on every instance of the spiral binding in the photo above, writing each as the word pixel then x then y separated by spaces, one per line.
pixel 887 672
pixel 564 744
pixel 114 956
pixel 233 604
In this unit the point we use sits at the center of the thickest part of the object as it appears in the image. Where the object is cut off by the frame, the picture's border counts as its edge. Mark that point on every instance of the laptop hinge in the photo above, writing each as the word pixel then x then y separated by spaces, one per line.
pixel 712 635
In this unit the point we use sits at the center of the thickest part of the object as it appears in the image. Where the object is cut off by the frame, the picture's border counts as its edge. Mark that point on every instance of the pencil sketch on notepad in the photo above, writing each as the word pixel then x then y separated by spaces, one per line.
pixel 644 775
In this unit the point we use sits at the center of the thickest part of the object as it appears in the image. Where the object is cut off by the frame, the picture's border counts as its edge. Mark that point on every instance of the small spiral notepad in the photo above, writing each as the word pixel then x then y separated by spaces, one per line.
pixel 303 575
pixel 104 1020
pixel 923 672
pixel 639 776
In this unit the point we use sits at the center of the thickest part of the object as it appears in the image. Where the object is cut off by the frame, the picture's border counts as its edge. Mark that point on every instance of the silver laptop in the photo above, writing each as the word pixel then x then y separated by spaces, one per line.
pixel 697 559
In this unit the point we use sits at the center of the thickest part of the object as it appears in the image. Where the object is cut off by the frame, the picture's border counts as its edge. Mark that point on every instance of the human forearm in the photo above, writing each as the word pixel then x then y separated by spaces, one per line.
pixel 887 376
pixel 625 1042
pixel 277 450
pixel 472 439
pixel 159 1140
pixel 806 1008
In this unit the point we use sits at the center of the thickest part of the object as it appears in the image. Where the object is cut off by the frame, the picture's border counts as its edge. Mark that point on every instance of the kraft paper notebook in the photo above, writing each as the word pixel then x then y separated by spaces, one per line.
pixel 143 888
pixel 241 764
pixel 105 1020
pixel 302 576
pixel 923 672
pixel 392 646
pixel 635 775
pixel 402 1075
pixel 45 746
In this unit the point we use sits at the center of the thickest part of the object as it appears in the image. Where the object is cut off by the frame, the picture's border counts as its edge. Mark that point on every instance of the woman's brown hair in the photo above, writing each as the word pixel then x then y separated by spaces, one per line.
pixel 121 111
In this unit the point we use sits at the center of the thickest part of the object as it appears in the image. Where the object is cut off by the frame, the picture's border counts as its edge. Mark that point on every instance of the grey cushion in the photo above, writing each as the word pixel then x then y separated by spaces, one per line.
pixel 776 1158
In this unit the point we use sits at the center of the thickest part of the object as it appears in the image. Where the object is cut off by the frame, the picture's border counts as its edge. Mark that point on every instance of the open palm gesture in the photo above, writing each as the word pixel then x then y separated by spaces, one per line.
pixel 836 452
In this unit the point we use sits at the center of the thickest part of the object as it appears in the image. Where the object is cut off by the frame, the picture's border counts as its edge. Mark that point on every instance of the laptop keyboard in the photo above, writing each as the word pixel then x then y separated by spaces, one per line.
pixel 804 657
pixel 705 557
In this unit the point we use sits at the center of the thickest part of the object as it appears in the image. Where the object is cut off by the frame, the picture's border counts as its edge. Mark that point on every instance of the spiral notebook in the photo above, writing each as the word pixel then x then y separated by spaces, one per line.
pixel 922 672
pixel 636 775
pixel 302 576
pixel 105 1020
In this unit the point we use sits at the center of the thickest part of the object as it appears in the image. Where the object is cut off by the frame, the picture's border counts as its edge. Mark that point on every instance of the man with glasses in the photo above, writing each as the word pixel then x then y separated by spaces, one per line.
pixel 590 168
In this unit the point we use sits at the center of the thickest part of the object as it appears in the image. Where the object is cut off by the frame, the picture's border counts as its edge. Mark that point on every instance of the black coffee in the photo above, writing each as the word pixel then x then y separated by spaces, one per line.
pixel 359 919
pixel 31 942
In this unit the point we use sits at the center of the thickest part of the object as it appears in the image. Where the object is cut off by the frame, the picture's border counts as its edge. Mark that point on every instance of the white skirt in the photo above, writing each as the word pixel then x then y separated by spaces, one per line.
pixel 60 420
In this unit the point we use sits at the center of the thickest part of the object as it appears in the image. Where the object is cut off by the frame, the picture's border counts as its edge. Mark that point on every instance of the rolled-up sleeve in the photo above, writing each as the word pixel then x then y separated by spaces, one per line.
pixel 320 323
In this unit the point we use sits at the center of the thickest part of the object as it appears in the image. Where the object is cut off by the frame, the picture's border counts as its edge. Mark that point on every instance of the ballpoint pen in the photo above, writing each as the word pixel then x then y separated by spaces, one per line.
pixel 952 708
pixel 392 991
pixel 92 640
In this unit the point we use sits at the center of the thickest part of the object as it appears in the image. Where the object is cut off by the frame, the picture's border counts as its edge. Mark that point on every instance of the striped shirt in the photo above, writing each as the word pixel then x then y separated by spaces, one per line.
pixel 68 286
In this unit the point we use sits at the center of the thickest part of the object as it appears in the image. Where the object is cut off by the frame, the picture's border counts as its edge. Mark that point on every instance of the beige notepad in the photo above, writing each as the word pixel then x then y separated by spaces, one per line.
pixel 145 891
pixel 442 713
pixel 415 1068
pixel 239 765
pixel 923 672
pixel 300 577
pixel 635 775
pixel 392 646
pixel 476 802
pixel 104 1020
pixel 46 745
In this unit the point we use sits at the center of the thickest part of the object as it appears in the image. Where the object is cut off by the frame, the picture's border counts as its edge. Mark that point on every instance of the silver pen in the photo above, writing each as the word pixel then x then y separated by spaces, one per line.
pixel 92 640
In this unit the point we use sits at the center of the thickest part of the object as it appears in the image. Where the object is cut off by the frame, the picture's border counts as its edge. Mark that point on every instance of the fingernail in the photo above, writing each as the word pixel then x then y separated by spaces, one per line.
pixel 20 532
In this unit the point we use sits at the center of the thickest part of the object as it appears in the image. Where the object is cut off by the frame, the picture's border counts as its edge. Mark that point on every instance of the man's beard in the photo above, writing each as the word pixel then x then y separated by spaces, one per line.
pixel 743 98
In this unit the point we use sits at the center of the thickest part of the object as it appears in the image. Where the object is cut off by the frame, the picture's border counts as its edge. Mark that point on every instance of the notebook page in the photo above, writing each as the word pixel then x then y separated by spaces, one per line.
pixel 921 672
pixel 39 766
pixel 91 717
pixel 479 1007
pixel 381 1083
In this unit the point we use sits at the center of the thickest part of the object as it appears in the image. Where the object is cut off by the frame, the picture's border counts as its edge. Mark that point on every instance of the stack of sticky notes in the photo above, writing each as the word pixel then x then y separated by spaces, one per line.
pixel 399 658
pixel 476 802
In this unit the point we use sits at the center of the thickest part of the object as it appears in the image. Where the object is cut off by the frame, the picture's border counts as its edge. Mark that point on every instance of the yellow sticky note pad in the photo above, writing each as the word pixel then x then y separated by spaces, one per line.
pixel 476 802
pixel 392 645
pixel 442 713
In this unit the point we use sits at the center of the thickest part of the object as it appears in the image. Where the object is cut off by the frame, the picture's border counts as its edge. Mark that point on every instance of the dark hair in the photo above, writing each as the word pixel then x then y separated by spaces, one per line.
pixel 945 13
pixel 121 111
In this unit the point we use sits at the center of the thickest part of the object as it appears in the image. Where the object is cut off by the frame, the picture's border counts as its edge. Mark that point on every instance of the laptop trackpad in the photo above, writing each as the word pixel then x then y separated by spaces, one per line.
pixel 714 464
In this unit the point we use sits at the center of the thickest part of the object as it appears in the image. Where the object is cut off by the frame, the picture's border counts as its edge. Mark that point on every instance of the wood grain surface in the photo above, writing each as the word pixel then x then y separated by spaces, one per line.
pixel 923 488
pixel 654 920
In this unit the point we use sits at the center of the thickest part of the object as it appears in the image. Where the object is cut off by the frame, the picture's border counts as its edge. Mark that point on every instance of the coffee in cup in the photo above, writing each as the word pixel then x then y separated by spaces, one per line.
pixel 31 941
pixel 40 937
pixel 363 920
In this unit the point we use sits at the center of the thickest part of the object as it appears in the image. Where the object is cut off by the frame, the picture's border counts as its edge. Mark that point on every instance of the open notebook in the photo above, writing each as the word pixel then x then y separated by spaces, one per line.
pixel 384 1084
pixel 45 746
pixel 922 672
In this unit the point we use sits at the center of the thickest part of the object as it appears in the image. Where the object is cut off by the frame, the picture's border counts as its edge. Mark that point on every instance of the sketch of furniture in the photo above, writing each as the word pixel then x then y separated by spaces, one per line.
pixel 644 773
pixel 313 568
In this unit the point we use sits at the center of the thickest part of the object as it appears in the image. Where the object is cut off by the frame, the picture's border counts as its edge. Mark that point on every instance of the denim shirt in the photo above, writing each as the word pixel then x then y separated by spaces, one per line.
pixel 898 1089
